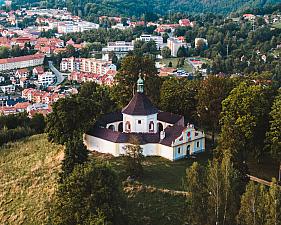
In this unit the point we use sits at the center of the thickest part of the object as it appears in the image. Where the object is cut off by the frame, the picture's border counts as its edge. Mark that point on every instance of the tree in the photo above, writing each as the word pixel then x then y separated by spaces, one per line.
pixel 273 136
pixel 165 52
pixel 132 67
pixel 89 195
pixel 273 204
pixel 196 204
pixel 182 52
pixel 38 123
pixel 244 121
pixel 133 157
pixel 75 153
pixel 223 188
pixel 177 95
pixel 211 93
pixel 74 115
pixel 252 210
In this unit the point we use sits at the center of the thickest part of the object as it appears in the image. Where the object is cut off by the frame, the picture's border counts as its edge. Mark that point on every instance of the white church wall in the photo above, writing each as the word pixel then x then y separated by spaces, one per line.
pixel 97 144
pixel 139 124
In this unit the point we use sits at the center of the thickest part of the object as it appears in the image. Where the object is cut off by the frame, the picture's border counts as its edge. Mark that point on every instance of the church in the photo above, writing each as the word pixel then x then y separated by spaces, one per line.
pixel 158 133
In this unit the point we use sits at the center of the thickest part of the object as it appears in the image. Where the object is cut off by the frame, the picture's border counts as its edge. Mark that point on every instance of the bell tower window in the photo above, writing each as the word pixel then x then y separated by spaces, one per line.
pixel 151 126
pixel 128 126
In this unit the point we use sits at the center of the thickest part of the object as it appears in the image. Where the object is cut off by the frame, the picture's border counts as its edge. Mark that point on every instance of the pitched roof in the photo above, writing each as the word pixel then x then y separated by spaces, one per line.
pixel 121 137
pixel 168 117
pixel 171 133
pixel 21 58
pixel 140 105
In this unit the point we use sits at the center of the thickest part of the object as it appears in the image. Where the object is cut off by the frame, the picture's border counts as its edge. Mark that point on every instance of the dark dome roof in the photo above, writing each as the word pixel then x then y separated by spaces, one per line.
pixel 140 105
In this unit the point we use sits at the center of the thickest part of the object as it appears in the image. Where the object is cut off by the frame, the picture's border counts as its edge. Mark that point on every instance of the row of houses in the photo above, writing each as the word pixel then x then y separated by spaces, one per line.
pixel 87 65
pixel 21 62
pixel 80 77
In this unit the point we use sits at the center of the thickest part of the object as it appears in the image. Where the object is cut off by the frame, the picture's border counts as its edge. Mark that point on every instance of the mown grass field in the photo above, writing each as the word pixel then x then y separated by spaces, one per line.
pixel 28 170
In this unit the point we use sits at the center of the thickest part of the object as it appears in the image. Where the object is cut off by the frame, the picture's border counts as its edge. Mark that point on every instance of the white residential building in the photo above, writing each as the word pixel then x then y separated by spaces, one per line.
pixel 8 89
pixel 71 27
pixel 174 44
pixel 120 48
pixel 45 79
pixel 88 65
pixel 157 39
pixel 21 62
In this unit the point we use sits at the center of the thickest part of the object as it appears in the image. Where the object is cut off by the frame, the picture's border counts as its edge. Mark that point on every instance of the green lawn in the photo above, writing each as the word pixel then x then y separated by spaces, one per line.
pixel 187 67
pixel 29 171
pixel 158 172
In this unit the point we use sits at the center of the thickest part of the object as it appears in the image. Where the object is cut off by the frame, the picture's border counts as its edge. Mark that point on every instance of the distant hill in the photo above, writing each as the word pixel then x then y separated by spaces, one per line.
pixel 90 8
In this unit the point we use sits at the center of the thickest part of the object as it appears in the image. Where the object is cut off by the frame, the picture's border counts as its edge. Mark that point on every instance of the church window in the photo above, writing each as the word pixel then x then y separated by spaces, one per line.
pixel 128 126
pixel 188 134
pixel 179 150
pixel 198 144
pixel 151 126
pixel 139 121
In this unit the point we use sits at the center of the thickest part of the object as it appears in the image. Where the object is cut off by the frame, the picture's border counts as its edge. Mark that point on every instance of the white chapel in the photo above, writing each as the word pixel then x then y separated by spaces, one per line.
pixel 159 133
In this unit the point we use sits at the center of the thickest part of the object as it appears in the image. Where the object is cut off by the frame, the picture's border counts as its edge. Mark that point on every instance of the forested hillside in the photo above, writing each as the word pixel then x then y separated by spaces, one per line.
pixel 91 8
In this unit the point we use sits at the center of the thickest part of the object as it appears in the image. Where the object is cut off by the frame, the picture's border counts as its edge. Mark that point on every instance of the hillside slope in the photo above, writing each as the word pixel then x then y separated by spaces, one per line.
pixel 93 8
pixel 28 170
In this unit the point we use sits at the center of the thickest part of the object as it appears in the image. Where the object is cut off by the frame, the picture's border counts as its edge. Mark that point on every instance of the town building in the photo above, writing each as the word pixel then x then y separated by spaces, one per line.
pixel 119 48
pixel 174 44
pixel 87 65
pixel 158 133
pixel 45 79
pixel 147 37
pixel 8 89
pixel 21 62
pixel 71 27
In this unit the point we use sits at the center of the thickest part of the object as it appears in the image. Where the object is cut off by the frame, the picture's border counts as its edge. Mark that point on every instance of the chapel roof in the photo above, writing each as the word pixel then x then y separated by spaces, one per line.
pixel 171 133
pixel 140 105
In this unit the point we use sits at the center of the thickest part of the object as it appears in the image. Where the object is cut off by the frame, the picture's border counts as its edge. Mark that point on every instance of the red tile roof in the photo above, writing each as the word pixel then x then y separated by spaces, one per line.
pixel 21 58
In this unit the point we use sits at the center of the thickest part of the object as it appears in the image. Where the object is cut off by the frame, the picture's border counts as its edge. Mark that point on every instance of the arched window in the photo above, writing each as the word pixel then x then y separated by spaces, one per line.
pixel 128 126
pixel 111 127
pixel 151 126
pixel 188 150
pixel 160 127
pixel 120 127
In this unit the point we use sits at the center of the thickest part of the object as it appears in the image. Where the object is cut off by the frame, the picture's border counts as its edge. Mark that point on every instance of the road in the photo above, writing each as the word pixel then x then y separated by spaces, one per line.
pixel 59 76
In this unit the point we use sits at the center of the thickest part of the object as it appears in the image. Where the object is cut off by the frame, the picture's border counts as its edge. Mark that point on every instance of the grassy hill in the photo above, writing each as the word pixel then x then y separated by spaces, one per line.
pixel 28 171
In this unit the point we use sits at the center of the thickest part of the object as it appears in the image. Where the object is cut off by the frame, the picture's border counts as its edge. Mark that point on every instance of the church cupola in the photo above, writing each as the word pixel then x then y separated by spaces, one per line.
pixel 140 115
pixel 140 85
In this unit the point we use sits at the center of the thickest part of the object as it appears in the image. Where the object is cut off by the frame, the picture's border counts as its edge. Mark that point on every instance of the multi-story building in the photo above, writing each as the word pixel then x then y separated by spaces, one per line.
pixel 8 89
pixel 174 44
pixel 157 39
pixel 71 27
pixel 45 79
pixel 21 62
pixel 119 48
pixel 89 65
